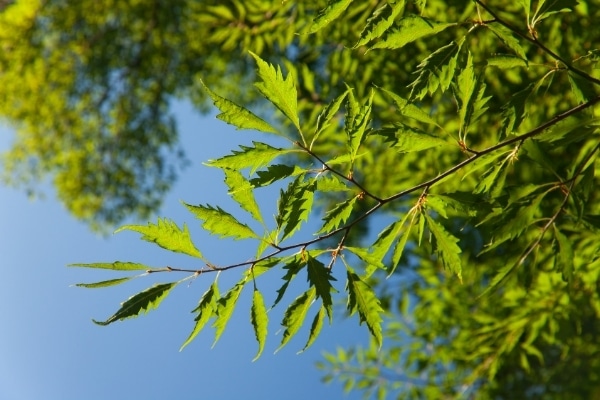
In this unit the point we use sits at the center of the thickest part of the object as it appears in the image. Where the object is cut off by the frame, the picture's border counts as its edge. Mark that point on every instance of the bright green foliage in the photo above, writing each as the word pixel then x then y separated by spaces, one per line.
pixel 470 129
pixel 167 235
pixel 142 302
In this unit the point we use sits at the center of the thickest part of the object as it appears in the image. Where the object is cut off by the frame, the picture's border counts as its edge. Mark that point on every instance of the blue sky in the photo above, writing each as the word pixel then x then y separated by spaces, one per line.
pixel 50 349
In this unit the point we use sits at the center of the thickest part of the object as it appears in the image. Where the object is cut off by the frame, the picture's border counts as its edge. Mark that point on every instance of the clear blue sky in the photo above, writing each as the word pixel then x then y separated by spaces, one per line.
pixel 50 349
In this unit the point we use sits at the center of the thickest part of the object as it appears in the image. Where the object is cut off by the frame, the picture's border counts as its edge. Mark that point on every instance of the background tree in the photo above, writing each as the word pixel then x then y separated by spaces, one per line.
pixel 470 127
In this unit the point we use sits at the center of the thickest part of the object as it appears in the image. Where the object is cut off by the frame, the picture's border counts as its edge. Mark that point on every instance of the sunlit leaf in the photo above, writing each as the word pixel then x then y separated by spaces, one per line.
pixel 295 314
pixel 238 116
pixel 225 307
pixel 241 190
pixel 259 320
pixel 275 173
pixel 381 20
pixel 338 215
pixel 406 139
pixel 110 282
pixel 206 309
pixel 409 29
pixel 315 328
pixel 436 71
pixel 167 235
pixel 363 300
pixel 279 91
pixel 142 302
pixel 221 223
pixel 334 9
pixel 445 244
pixel 117 266
pixel 320 277
pixel 254 157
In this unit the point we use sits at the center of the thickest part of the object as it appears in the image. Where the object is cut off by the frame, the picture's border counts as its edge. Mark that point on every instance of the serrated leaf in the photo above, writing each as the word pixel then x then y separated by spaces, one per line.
pixel 275 173
pixel 409 29
pixel 506 61
pixel 315 328
pixel 514 112
pixel 338 215
pixel 356 121
pixel 502 274
pixel 142 302
pixel 294 206
pixel 320 277
pixel 241 190
pixel 221 223
pixel 381 20
pixel 436 71
pixel 334 9
pixel 506 36
pixel 369 258
pixel 254 157
pixel 110 282
pixel 238 116
pixel 225 307
pixel 325 117
pixel 410 110
pixel 279 91
pixel 295 314
pixel 406 139
pixel 362 299
pixel 259 320
pixel 206 309
pixel 167 235
pixel 401 243
pixel 331 184
pixel 293 266
pixel 493 178
pixel 117 266
pixel 445 245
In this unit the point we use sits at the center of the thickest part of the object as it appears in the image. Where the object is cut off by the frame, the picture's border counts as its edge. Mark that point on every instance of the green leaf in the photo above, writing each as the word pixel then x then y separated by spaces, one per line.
pixel 564 255
pixel 255 157
pixel 334 9
pixel 167 235
pixel 142 302
pixel 225 307
pixel 406 139
pixel 279 91
pixel 436 71
pixel 381 20
pixel 546 8
pixel 221 223
pixel 362 299
pixel 506 61
pixel 295 314
pixel 514 112
pixel 409 29
pixel 445 245
pixel 325 117
pixel 111 282
pixel 410 110
pixel 338 215
pixel 356 122
pixel 315 328
pixel 331 183
pixel 294 206
pixel 493 178
pixel 259 320
pixel 293 266
pixel 371 259
pixel 320 277
pixel 401 244
pixel 117 266
pixel 238 116
pixel 507 37
pixel 468 92
pixel 206 309
pixel 581 88
pixel 275 173
pixel 241 190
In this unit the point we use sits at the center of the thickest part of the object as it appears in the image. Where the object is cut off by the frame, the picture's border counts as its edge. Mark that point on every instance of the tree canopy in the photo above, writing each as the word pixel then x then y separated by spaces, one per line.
pixel 469 128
